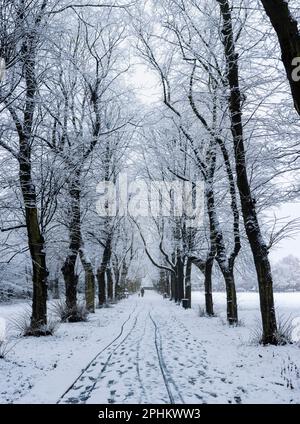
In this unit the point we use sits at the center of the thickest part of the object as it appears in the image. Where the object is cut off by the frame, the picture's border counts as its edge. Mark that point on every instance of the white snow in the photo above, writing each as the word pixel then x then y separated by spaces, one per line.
pixel 149 350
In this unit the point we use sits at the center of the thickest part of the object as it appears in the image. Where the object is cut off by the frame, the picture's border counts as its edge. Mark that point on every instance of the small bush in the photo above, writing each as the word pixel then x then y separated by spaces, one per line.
pixel 22 324
pixel 283 335
pixel 224 321
pixel 285 329
pixel 5 347
pixel 65 314
pixel 45 330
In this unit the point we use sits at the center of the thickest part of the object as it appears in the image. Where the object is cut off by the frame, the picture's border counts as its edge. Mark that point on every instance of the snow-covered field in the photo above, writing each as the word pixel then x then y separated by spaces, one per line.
pixel 152 351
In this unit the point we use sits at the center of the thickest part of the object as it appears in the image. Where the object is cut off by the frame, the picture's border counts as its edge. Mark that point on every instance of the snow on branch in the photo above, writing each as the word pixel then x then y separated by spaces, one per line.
pixel 92 5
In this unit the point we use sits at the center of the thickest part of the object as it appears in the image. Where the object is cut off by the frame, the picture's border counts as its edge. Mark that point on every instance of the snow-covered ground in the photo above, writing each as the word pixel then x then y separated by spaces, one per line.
pixel 149 350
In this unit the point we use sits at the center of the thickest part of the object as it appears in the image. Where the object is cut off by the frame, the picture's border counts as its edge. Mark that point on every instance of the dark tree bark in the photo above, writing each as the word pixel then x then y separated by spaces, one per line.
pixel 188 282
pixel 258 247
pixel 101 287
pixel 286 28
pixel 115 265
pixel 102 271
pixel 209 306
pixel 35 242
pixel 179 278
pixel 232 312
pixel 206 266
pixel 25 131
pixel 173 287
pixel 226 264
pixel 89 280
pixel 226 261
pixel 68 268
pixel 110 284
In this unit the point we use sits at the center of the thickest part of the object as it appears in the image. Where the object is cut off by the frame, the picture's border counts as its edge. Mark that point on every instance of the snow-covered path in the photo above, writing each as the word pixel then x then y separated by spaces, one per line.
pixel 149 350
pixel 132 368
pixel 153 359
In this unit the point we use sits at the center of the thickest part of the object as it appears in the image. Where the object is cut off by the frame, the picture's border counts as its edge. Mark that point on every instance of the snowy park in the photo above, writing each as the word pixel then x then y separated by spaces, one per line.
pixel 149 205
pixel 149 350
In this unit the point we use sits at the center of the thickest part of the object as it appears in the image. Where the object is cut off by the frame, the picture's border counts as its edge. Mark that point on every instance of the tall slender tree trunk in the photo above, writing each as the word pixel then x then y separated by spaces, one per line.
pixel 101 272
pixel 89 280
pixel 258 247
pixel 218 245
pixel 110 284
pixel 180 278
pixel 117 280
pixel 35 242
pixel 209 306
pixel 188 282
pixel 173 287
pixel 101 286
pixel 232 310
pixel 68 268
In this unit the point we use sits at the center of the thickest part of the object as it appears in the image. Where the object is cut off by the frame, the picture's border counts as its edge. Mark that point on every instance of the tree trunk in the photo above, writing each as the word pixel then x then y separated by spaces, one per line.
pixel 209 306
pixel 179 278
pixel 39 268
pixel 188 282
pixel 232 311
pixel 35 237
pixel 218 248
pixel 117 280
pixel 102 271
pixel 205 266
pixel 68 268
pixel 121 280
pixel 173 287
pixel 101 286
pixel 89 279
pixel 258 247
pixel 110 284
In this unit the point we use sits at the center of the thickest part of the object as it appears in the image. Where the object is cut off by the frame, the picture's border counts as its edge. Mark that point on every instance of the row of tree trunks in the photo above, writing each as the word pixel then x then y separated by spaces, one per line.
pixel 217 241
pixel 258 247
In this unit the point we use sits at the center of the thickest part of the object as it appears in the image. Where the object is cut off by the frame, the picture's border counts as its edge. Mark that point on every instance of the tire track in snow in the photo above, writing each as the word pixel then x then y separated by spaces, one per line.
pixel 92 362
pixel 138 370
pixel 174 395
pixel 90 390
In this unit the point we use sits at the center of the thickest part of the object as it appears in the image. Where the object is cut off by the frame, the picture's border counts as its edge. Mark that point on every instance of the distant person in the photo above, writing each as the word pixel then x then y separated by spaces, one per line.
pixel 142 291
